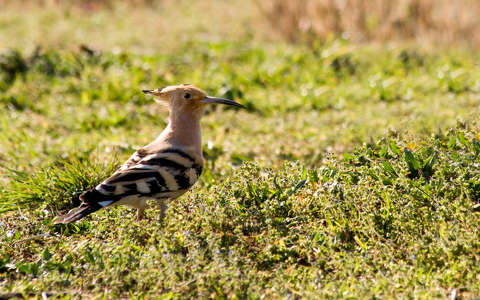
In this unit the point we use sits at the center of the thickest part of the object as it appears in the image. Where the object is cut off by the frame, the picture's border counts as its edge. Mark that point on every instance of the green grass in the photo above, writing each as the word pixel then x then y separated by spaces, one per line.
pixel 354 173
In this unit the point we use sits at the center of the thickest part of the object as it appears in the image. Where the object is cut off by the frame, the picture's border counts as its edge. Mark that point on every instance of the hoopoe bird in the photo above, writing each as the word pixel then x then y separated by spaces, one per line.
pixel 162 170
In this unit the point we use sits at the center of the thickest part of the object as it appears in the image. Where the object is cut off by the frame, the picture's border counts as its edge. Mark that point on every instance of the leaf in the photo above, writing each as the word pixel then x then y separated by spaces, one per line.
pixel 90 258
pixel 386 180
pixel 360 243
pixel 394 148
pixel 412 162
pixel 388 168
pixel 23 267
pixel 299 185
pixel 277 186
pixel 318 237
pixel 462 139
pixel 427 169
pixel 238 159
pixel 46 255
pixel 167 296
pixel 313 175
pixel 476 147
pixel 348 157
pixel 383 152
pixel 430 161
pixel 372 174
pixel 452 142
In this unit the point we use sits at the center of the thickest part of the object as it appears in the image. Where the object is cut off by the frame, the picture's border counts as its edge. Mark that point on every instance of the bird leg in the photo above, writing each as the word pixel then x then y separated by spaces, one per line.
pixel 140 205
pixel 163 209
pixel 140 213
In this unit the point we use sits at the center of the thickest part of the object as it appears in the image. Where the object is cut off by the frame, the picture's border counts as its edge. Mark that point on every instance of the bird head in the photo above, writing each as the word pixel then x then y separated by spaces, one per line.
pixel 187 97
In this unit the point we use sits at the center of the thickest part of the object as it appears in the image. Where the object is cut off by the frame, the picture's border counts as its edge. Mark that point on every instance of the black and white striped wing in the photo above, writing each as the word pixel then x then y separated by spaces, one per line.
pixel 164 174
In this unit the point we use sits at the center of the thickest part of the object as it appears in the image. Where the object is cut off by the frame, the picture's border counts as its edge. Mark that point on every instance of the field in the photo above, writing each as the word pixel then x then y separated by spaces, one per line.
pixel 354 172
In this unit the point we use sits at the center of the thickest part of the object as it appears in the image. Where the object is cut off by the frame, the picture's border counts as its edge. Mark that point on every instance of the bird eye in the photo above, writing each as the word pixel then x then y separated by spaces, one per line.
pixel 187 96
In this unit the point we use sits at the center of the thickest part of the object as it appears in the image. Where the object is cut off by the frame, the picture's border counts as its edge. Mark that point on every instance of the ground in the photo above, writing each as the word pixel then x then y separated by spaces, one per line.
pixel 354 172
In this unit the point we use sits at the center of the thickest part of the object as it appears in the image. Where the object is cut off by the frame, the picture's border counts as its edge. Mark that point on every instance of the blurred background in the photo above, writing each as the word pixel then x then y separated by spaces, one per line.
pixel 159 24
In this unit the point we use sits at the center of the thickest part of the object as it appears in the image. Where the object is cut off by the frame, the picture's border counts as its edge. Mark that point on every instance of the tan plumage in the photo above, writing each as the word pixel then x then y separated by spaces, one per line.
pixel 162 170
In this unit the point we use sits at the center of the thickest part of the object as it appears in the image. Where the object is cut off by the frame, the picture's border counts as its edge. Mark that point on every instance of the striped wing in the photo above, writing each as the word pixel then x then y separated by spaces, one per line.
pixel 162 174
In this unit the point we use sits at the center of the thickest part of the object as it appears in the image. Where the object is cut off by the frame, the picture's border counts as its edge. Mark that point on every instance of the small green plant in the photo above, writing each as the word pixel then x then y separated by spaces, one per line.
pixel 54 187
pixel 418 167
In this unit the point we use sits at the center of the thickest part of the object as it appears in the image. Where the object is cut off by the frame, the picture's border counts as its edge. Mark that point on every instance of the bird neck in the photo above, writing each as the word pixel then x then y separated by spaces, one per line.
pixel 183 130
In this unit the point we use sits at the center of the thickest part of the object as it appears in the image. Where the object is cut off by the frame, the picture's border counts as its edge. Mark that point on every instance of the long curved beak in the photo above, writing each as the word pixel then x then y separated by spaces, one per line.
pixel 209 99
pixel 155 92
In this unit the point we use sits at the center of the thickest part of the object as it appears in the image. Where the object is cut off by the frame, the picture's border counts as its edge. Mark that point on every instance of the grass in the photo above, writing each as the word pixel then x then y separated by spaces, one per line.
pixel 162 26
pixel 392 212
pixel 438 21
pixel 354 173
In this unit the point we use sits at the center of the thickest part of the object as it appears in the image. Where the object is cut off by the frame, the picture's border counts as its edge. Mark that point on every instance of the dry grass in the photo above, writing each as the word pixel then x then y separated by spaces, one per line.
pixel 87 5
pixel 134 25
pixel 443 21
pixel 168 22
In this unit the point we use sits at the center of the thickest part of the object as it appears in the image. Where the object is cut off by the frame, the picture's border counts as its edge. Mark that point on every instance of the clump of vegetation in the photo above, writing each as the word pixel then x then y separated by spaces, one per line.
pixel 54 187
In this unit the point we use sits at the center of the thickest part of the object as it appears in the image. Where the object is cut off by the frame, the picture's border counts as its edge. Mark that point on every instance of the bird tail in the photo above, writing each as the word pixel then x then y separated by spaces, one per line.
pixel 76 214
pixel 89 205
